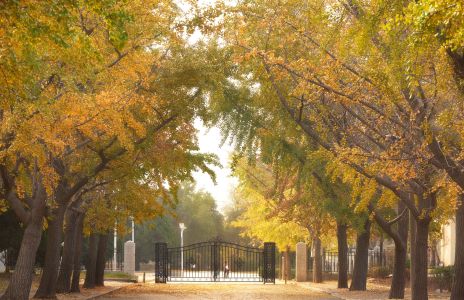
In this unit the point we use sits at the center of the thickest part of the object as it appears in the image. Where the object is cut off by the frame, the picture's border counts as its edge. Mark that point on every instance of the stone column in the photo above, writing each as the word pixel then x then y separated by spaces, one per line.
pixel 301 266
pixel 3 265
pixel 129 257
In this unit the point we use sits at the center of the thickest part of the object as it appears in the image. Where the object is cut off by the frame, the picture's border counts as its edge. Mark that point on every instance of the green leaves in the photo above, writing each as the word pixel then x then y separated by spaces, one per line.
pixel 117 21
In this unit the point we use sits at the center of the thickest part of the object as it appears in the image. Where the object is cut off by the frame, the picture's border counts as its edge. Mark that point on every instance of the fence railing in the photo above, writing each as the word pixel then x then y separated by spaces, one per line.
pixel 8 258
pixel 109 265
pixel 330 260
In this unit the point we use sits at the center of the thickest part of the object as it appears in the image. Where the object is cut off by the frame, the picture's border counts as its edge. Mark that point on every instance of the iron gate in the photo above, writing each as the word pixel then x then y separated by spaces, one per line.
pixel 215 261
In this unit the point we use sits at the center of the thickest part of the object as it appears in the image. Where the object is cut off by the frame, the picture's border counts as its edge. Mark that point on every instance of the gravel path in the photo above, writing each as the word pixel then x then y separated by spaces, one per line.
pixel 151 291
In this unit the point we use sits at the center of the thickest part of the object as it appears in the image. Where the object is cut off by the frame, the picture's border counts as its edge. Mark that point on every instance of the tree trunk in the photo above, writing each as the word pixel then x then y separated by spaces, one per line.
pixel 317 262
pixel 412 249
pixel 91 267
pixel 287 262
pixel 399 267
pixel 66 269
pixel 419 283
pixel 457 291
pixel 400 238
pixel 77 254
pixel 281 269
pixel 433 252
pixel 458 67
pixel 21 280
pixel 342 256
pixel 398 280
pixel 101 259
pixel 381 262
pixel 47 287
pixel 358 282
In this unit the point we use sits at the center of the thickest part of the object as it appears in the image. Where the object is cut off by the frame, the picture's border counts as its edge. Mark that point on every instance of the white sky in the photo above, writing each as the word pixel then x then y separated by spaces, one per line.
pixel 210 142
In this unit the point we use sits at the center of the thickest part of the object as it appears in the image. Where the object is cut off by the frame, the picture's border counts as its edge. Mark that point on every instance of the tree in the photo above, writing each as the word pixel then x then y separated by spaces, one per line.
pixel 283 205
pixel 196 209
pixel 258 226
pixel 39 91
pixel 351 98
pixel 199 212
pixel 107 90
pixel 440 22
pixel 278 142
pixel 231 214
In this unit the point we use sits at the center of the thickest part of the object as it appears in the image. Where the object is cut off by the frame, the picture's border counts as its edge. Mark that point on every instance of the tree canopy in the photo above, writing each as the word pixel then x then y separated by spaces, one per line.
pixel 342 112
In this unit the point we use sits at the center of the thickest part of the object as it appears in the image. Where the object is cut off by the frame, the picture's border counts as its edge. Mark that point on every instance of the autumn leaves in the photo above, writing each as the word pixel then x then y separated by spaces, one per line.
pixel 96 123
pixel 358 102
pixel 375 86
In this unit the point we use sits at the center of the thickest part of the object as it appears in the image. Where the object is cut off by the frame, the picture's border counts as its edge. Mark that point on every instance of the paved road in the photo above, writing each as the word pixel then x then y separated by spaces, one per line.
pixel 217 291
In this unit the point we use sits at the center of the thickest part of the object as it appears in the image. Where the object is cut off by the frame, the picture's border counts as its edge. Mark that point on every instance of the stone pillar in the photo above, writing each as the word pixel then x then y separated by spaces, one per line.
pixel 129 257
pixel 3 265
pixel 301 266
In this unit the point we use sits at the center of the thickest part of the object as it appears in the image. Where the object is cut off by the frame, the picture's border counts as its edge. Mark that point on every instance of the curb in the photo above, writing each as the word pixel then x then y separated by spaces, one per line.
pixel 108 292
pixel 122 280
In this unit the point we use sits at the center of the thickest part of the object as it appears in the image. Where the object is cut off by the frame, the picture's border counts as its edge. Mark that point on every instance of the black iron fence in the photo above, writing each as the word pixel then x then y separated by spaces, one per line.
pixel 330 260
pixel 8 258
pixel 110 263
pixel 110 266
pixel 215 261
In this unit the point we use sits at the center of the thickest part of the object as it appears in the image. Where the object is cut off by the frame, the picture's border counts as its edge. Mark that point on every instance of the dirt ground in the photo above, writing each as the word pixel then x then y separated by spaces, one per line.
pixel 84 294
pixel 228 291
pixel 375 291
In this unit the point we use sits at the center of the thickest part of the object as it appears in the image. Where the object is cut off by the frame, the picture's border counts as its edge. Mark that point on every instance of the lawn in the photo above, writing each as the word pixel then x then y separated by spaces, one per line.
pixel 119 276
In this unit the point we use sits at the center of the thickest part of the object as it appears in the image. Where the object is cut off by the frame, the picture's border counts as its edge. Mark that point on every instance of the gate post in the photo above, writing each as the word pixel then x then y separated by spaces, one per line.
pixel 301 264
pixel 269 263
pixel 161 262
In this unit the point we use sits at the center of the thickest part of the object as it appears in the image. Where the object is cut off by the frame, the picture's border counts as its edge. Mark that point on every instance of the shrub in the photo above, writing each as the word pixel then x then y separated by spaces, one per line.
pixel 444 277
pixel 380 272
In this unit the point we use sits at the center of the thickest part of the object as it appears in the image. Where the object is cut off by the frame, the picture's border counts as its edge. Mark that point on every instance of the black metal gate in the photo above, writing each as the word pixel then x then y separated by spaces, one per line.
pixel 215 261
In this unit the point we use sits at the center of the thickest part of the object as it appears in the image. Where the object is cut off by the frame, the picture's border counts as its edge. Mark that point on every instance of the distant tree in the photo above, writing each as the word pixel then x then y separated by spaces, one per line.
pixel 196 209
pixel 232 214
